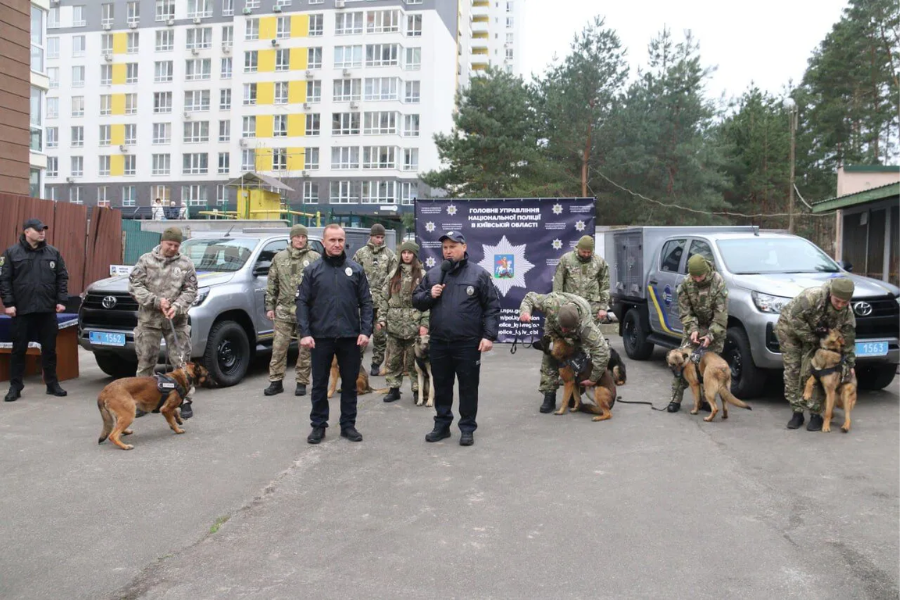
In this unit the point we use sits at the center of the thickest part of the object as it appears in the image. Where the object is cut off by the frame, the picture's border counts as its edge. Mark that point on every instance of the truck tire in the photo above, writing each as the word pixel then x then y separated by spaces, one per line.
pixel 634 336
pixel 227 355
pixel 747 380
pixel 875 377
pixel 115 366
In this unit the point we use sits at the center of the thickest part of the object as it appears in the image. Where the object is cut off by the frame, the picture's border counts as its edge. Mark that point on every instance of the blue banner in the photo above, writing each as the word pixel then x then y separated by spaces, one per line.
pixel 518 241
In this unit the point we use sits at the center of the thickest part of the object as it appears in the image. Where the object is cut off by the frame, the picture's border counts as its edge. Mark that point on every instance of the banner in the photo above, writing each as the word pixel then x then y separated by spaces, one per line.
pixel 518 241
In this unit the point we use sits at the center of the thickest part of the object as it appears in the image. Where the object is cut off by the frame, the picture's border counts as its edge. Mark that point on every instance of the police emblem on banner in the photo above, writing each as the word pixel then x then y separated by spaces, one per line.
pixel 470 290
pixel 348 271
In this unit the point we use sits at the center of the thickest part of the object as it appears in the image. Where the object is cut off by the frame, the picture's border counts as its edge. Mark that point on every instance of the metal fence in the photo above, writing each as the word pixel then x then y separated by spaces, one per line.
pixel 137 242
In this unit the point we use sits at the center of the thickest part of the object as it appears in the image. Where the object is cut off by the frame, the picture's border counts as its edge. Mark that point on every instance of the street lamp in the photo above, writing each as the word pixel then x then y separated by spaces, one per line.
pixel 792 113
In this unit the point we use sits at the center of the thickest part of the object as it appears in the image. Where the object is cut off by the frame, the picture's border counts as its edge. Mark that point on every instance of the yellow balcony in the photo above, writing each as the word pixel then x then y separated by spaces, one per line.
pixel 481 3
pixel 479 50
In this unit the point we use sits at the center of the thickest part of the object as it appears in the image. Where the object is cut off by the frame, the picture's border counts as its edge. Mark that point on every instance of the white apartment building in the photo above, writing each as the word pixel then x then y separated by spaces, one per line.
pixel 339 99
pixel 39 86
pixel 490 35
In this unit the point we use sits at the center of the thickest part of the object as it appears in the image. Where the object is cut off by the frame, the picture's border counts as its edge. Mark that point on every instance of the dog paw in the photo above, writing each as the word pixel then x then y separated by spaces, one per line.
pixel 179 431
pixel 709 418
pixel 430 405
pixel 845 428
pixel 127 432
pixel 694 412
pixel 826 428
pixel 127 447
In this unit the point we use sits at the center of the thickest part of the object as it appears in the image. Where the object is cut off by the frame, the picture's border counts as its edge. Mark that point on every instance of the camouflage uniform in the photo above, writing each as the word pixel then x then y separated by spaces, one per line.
pixel 285 276
pixel 703 307
pixel 153 278
pixel 796 331
pixel 402 326
pixel 588 336
pixel 377 261
pixel 586 278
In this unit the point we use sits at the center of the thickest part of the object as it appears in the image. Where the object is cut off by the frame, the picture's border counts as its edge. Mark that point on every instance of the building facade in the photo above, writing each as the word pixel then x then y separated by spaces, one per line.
pixel 168 99
pixel 490 35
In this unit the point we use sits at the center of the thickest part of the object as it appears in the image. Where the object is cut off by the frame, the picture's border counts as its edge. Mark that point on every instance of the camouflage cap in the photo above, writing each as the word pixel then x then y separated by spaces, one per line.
pixel 377 229
pixel 172 234
pixel 698 266
pixel 568 316
pixel 410 246
pixel 298 230
pixel 842 288
pixel 585 243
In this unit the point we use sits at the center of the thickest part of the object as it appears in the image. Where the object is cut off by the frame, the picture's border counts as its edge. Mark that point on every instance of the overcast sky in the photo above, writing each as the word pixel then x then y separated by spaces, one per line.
pixel 766 41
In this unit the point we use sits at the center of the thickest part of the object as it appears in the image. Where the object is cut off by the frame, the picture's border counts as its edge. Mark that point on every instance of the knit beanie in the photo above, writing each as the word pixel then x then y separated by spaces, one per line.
pixel 377 229
pixel 842 288
pixel 585 243
pixel 697 266
pixel 172 234
pixel 298 230
pixel 568 316
pixel 410 246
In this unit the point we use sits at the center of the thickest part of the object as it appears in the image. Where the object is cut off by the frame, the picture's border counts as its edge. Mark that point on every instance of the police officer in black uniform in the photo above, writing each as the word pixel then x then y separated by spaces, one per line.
pixel 34 286
pixel 334 318
pixel 464 322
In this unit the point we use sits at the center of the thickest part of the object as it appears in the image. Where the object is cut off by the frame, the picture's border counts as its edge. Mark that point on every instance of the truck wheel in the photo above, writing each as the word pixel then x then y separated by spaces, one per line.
pixel 875 377
pixel 747 380
pixel 634 336
pixel 227 355
pixel 115 366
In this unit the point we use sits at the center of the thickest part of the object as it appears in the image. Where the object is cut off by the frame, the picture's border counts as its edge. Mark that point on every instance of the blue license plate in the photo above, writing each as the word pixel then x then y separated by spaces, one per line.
pixel 871 348
pixel 103 338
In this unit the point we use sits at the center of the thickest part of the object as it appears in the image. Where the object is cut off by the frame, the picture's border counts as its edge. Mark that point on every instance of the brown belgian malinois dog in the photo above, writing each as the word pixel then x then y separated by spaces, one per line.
pixel 712 372
pixel 605 390
pixel 362 380
pixel 827 366
pixel 118 400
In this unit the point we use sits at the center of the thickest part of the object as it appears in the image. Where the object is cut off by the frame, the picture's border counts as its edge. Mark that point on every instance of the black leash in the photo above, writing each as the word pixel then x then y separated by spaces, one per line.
pixel 650 404
pixel 530 344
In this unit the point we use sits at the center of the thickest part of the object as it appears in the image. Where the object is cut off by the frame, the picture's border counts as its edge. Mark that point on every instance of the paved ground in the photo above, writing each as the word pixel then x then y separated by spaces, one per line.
pixel 647 505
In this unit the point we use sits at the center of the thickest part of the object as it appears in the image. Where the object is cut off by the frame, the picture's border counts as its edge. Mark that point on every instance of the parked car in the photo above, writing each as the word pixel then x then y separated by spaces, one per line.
pixel 763 271
pixel 228 319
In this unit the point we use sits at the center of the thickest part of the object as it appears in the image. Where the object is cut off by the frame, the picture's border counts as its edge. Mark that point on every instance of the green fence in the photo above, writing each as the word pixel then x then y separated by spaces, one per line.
pixel 137 242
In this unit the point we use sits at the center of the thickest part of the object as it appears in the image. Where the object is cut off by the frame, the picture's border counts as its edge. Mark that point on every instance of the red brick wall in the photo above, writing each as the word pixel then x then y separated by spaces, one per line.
pixel 15 93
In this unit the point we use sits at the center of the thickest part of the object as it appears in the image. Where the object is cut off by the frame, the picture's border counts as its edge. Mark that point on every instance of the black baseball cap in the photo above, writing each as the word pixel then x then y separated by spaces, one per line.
pixel 35 224
pixel 454 236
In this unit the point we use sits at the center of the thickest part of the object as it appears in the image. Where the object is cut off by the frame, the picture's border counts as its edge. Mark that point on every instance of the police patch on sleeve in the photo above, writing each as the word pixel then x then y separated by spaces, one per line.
pixel 52 264
pixel 192 278
pixel 470 290
pixel 348 271
pixel 305 263
pixel 2 260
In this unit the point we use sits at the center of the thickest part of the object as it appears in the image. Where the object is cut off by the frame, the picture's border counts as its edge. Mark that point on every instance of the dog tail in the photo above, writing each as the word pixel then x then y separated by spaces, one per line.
pixel 731 399
pixel 107 420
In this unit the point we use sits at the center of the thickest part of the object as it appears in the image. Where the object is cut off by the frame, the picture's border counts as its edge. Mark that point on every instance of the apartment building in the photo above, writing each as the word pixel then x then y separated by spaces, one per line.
pixel 339 99
pixel 490 35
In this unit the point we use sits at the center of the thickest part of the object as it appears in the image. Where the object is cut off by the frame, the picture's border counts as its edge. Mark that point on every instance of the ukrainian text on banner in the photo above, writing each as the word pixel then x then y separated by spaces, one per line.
pixel 518 241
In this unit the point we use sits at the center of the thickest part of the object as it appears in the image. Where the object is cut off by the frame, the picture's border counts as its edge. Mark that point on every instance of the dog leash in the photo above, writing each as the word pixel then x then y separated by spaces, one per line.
pixel 650 404
pixel 530 344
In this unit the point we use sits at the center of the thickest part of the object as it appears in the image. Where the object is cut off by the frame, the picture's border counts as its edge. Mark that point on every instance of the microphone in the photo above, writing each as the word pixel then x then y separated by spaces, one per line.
pixel 446 266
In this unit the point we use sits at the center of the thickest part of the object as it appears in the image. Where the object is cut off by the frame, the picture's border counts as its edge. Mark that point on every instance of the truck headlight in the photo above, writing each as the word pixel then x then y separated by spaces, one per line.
pixel 202 293
pixel 769 304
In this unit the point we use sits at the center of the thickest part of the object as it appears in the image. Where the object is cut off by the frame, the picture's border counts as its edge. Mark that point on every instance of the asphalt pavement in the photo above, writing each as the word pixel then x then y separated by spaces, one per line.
pixel 646 505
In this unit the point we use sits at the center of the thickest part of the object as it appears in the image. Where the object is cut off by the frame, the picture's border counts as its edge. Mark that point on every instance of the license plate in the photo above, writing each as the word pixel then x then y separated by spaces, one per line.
pixel 103 338
pixel 871 348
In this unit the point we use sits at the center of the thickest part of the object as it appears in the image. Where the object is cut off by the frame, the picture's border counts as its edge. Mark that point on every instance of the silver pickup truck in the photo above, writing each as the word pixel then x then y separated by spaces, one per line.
pixel 763 271
pixel 228 319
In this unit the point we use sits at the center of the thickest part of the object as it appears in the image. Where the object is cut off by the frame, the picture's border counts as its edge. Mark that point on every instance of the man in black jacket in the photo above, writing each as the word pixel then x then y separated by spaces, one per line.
pixel 34 286
pixel 334 318
pixel 464 322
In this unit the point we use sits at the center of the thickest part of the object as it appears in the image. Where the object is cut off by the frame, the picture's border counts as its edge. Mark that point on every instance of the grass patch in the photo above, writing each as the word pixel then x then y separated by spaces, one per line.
pixel 219 522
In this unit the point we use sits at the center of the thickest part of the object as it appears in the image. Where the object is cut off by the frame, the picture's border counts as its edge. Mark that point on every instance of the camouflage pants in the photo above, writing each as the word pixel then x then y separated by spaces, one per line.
pixel 796 356
pixel 401 357
pixel 678 383
pixel 146 345
pixel 284 331
pixel 378 345
pixel 550 370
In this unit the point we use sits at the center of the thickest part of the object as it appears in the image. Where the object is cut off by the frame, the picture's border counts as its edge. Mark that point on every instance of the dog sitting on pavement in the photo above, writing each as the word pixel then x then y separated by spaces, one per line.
pixel 362 381
pixel 119 400
pixel 827 368
pixel 423 371
pixel 575 367
pixel 711 372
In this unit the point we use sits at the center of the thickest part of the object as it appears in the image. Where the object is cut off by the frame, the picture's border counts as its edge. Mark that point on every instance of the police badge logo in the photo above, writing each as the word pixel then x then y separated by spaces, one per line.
pixel 470 290
pixel 52 264
pixel 348 271
pixel 305 263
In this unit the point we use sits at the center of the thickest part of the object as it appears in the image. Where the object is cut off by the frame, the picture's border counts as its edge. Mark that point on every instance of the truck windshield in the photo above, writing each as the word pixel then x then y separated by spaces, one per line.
pixel 223 255
pixel 750 256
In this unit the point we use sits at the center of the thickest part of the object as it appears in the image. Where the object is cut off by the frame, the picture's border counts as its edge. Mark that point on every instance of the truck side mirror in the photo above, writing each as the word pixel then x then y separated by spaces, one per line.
pixel 847 266
pixel 262 268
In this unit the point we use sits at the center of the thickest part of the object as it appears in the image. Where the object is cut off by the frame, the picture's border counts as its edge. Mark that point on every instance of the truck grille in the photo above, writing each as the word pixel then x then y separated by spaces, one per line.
pixel 883 322
pixel 122 314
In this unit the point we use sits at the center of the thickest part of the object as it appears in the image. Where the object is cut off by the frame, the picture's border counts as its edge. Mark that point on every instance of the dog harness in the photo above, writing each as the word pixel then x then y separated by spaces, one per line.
pixel 577 362
pixel 820 373
pixel 165 385
pixel 695 358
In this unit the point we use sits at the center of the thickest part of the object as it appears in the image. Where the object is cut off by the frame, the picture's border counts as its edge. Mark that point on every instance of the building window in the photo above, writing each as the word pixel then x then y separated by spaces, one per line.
pixel 77 136
pixel 77 166
pixel 75 195
pixel 344 192
pixel 197 69
pixel 52 194
pixel 279 159
pixel 348 23
pixel 251 4
pixel 131 104
pixel 249 94
pixel 199 38
pixel 77 106
pixel 409 191
pixel 227 68
pixel 165 40
pixel 52 166
pixel 193 195
pixel 105 105
pixel 162 164
pixel 412 92
pixel 78 76
pixel 228 35
pixel 53 18
pixel 248 128
pixel 162 133
pixel 224 131
pixel 413 59
pixel 225 99
pixel 129 195
pixel 102 199
pixel 224 163
pixel 108 14
pixel 347 56
pixel 165 10
pixel 311 159
pixel 195 164
pixel 196 132
pixel 379 157
pixel 411 159
pixel 414 25
pixel 36 111
pixel 221 194
pixel 227 8
pixel 52 137
pixel 509 54
pixel 162 192
pixel 106 43
pixel 105 74
pixel 251 29
pixel 314 58
pixel 133 14
pixel 346 157
pixel 251 61
pixel 105 135
pixel 510 22
pixel 316 25
pixel 378 192
pixel 313 124
pixel 104 166
pixel 380 123
pixel 132 43
pixel 130 164
pixel 131 73
pixel 78 46
pixel 283 59
pixel 313 91
pixel 382 55
pixel 199 8
pixel 382 88
pixel 345 123
pixel 411 126
pixel 383 21
pixel 34 183
pixel 162 102
pixel 283 28
pixel 52 47
pixel 347 90
pixel 248 160
pixel 279 126
pixel 310 192
pixel 281 92
pixel 52 108
pixel 163 71
pixel 196 101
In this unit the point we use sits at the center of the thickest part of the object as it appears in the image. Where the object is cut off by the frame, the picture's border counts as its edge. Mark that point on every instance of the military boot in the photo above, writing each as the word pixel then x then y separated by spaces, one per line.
pixel 815 423
pixel 549 404
pixel 673 406
pixel 275 387
pixel 796 421
pixel 393 395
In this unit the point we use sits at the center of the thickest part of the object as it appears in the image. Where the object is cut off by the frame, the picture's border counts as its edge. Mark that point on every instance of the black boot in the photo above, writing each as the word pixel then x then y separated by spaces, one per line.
pixel 53 389
pixel 674 406
pixel 12 395
pixel 301 389
pixel 392 395
pixel 316 435
pixel 796 421
pixel 351 434
pixel 437 434
pixel 815 422
pixel 549 404
pixel 704 406
pixel 186 411
pixel 275 387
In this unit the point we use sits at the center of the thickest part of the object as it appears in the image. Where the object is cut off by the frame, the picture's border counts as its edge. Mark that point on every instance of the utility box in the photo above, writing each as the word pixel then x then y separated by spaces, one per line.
pixel 258 204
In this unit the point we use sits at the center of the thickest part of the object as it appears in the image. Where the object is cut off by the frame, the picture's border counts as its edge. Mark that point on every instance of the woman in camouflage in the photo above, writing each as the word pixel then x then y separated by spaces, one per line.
pixel 401 321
